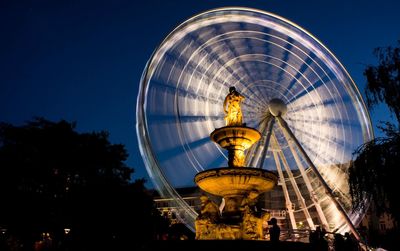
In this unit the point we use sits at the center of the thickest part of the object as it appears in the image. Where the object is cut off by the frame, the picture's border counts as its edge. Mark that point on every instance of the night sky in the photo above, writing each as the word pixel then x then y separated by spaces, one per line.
pixel 82 60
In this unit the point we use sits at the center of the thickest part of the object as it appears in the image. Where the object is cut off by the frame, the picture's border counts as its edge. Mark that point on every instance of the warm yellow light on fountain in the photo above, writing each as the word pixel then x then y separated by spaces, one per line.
pixel 232 110
pixel 239 186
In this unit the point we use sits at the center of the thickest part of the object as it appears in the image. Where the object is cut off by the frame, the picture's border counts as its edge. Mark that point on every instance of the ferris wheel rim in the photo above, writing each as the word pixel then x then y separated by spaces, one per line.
pixel 240 8
pixel 142 124
pixel 145 74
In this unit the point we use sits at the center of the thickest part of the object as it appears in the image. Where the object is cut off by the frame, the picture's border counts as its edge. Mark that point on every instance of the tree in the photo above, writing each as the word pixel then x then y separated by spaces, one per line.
pixel 383 80
pixel 372 175
pixel 53 178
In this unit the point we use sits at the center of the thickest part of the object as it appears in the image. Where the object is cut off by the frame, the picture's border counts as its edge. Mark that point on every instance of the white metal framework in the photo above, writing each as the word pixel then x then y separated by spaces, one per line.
pixel 298 95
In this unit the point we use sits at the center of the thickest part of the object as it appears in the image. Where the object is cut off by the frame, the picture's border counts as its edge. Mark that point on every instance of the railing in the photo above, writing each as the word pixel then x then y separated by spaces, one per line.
pixel 278 214
pixel 303 235
pixel 292 235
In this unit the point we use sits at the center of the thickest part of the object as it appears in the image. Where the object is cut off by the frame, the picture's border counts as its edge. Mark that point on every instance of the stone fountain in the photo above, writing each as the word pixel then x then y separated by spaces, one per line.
pixel 238 185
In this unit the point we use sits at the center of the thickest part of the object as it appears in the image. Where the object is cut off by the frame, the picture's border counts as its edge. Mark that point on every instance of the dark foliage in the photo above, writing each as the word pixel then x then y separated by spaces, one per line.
pixel 373 174
pixel 383 80
pixel 52 177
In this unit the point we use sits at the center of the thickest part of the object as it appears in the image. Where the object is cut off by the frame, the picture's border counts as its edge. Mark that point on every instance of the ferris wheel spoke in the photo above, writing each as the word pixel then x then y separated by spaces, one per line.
pixel 172 118
pixel 266 58
pixel 325 104
pixel 321 139
pixel 173 152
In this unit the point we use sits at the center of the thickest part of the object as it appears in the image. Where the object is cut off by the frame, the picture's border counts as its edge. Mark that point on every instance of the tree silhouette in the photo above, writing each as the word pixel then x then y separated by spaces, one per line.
pixel 52 178
pixel 383 80
pixel 372 175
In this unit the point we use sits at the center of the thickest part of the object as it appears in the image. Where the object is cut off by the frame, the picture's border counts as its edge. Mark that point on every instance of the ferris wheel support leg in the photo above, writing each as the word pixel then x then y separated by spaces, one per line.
pixel 285 191
pixel 307 181
pixel 254 156
pixel 293 182
pixel 328 190
pixel 266 142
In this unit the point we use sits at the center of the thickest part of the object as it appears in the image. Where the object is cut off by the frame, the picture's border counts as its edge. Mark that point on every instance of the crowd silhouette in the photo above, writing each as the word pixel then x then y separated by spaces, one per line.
pixel 319 241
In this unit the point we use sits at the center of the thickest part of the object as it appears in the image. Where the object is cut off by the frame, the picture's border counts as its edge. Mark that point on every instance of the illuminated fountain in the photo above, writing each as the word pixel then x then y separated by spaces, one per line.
pixel 239 186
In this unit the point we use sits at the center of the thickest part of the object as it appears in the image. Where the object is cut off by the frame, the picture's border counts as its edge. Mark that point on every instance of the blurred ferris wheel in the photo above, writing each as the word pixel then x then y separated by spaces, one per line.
pixel 297 94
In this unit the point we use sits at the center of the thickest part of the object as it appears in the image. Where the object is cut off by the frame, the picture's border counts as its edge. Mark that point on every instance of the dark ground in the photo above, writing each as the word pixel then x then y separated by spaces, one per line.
pixel 225 245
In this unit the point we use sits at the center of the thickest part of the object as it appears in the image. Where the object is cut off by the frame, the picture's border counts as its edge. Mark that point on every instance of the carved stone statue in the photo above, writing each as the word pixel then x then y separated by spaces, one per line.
pixel 252 225
pixel 206 221
pixel 209 209
pixel 209 225
pixel 233 112
pixel 249 202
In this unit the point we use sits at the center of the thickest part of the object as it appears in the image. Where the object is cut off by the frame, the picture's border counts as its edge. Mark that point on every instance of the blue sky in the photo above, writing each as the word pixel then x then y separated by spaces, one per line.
pixel 82 60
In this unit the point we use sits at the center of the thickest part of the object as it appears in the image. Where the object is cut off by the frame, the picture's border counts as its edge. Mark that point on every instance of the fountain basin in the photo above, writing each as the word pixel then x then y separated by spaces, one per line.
pixel 235 137
pixel 227 182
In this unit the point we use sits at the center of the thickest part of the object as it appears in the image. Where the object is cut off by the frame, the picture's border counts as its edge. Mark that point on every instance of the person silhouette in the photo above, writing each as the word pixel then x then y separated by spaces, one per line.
pixel 350 243
pixel 274 231
pixel 315 236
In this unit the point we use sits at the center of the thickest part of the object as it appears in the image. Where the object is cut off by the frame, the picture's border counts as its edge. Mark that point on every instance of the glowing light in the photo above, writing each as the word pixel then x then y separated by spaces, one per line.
pixel 265 57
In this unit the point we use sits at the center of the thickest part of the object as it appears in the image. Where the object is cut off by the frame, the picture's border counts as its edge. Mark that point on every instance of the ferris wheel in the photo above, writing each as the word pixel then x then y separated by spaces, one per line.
pixel 297 94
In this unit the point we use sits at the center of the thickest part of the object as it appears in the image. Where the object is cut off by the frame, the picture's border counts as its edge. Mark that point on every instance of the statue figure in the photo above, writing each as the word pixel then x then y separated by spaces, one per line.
pixel 207 220
pixel 210 226
pixel 233 113
pixel 249 202
pixel 252 225
pixel 209 210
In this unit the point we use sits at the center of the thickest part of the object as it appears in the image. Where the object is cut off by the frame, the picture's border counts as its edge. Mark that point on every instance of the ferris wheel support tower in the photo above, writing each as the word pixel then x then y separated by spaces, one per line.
pixel 277 109
pixel 301 99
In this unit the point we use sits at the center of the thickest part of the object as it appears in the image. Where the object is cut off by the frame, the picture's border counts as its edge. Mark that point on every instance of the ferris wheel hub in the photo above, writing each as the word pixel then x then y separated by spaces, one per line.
pixel 277 107
pixel 284 72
